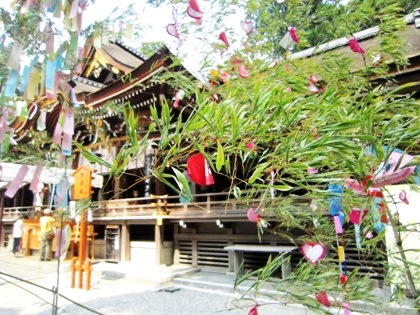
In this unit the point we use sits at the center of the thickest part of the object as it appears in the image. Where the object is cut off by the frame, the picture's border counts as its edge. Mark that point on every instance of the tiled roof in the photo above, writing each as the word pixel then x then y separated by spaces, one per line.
pixel 362 35
pixel 86 85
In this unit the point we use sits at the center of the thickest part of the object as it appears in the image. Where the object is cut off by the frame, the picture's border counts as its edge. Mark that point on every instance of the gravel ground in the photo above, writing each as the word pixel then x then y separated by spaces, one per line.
pixel 124 289
pixel 124 297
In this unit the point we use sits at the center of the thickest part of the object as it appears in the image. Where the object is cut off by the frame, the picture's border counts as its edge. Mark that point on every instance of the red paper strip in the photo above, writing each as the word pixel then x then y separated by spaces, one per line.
pixel 224 39
pixel 355 46
pixel 199 170
pixel 254 310
pixel 322 298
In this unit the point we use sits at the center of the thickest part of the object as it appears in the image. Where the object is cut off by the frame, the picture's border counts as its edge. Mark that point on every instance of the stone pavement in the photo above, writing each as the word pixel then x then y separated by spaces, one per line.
pixel 121 288
pixel 124 288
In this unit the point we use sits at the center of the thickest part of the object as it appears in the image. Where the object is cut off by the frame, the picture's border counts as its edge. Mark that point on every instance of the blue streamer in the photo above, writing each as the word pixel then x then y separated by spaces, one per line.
pixel 50 75
pixel 12 83
pixel 53 6
pixel 335 199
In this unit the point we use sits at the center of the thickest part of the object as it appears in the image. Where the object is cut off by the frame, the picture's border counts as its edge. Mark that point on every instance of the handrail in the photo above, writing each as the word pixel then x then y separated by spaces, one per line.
pixel 13 213
pixel 203 205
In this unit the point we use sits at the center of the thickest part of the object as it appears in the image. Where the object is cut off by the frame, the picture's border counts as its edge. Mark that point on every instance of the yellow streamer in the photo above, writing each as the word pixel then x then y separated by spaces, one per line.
pixel 341 254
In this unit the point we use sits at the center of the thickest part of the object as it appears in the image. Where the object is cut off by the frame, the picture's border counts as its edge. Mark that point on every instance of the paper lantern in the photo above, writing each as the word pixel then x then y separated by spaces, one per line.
pixel 199 170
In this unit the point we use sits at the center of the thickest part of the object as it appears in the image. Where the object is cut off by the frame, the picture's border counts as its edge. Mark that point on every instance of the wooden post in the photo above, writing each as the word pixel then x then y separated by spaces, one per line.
pixel 159 243
pixel 82 190
pixel 125 242
pixel 82 247
pixel 26 240
pixel 88 273
pixel 1 216
pixel 73 272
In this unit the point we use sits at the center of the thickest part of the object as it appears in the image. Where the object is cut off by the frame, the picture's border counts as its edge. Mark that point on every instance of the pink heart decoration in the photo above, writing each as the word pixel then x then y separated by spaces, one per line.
pixel 243 72
pixel 313 252
pixel 403 197
pixel 251 146
pixel 252 216
pixel 247 27
pixel 172 30
pixel 194 14
pixel 194 11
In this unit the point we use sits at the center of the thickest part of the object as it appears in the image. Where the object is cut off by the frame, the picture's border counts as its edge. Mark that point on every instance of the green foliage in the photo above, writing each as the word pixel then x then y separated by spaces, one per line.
pixel 317 21
pixel 302 285
pixel 149 48
pixel 292 129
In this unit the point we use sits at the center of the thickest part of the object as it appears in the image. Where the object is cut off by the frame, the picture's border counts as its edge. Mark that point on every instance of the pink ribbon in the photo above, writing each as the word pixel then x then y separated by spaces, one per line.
pixel 35 179
pixel 15 184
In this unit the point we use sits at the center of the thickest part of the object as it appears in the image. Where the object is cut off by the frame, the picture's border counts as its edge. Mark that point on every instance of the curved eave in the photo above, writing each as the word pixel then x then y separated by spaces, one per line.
pixel 84 85
pixel 115 90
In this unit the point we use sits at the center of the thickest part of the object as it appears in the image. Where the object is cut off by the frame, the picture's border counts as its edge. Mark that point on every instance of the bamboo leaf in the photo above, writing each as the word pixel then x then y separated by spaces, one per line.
pixel 91 157
pixel 220 160
pixel 182 182
pixel 257 172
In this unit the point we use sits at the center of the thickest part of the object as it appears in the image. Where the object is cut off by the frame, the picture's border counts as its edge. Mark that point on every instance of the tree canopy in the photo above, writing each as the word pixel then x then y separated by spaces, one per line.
pixel 317 21
pixel 284 126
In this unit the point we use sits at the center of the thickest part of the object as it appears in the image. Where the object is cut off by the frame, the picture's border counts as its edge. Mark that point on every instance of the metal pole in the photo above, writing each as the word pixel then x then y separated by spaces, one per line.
pixel 148 171
pixel 1 216
pixel 55 290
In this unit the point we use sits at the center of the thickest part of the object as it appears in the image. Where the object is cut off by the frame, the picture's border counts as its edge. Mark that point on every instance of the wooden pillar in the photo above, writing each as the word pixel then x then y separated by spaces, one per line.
pixel 26 242
pixel 194 248
pixel 82 246
pixel 159 241
pixel 231 254
pixel 125 241
pixel 2 234
pixel 176 243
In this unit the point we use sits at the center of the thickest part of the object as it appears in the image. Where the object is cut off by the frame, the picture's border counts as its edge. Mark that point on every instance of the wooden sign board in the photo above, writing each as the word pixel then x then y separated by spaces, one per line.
pixel 82 183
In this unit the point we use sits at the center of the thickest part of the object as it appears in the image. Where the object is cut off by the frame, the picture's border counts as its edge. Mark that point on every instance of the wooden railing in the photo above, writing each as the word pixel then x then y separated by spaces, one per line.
pixel 203 205
pixel 13 213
